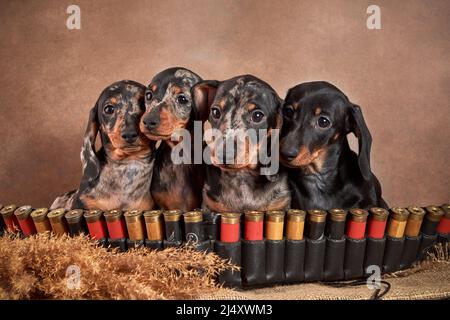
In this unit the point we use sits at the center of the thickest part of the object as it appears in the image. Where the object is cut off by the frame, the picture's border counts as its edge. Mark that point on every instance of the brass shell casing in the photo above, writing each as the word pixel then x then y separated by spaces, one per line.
pixel 154 225
pixel 254 215
pixel 93 215
pixel 358 215
pixel 397 222
pixel 135 225
pixel 113 215
pixel 337 214
pixel 8 210
pixel 414 223
pixel 172 215
pixel 230 217
pixel 379 214
pixel 274 225
pixel 193 216
pixel 295 224
pixel 23 212
pixel 74 216
pixel 434 213
pixel 317 215
pixel 57 222
pixel 41 221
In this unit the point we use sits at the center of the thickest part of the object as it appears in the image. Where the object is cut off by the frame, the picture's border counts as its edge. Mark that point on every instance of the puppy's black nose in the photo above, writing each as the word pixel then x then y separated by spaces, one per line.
pixel 129 136
pixel 151 123
pixel 289 153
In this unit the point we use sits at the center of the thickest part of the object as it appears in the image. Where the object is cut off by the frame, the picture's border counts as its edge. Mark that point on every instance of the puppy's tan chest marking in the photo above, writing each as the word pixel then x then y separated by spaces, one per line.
pixel 121 186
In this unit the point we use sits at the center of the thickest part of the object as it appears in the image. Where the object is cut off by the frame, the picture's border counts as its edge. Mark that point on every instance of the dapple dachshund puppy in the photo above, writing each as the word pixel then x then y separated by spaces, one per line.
pixel 119 174
pixel 325 173
pixel 241 103
pixel 169 107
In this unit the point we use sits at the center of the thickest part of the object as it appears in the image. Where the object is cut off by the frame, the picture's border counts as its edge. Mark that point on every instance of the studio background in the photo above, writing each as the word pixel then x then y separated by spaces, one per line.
pixel 51 76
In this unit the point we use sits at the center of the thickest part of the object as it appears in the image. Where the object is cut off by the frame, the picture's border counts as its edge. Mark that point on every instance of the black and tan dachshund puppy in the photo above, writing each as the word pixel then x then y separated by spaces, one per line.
pixel 239 104
pixel 325 173
pixel 169 107
pixel 119 174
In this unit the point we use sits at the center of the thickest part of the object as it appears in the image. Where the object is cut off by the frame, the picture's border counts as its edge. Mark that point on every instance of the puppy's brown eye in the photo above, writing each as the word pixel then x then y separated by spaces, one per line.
pixel 148 95
pixel 257 116
pixel 215 113
pixel 182 99
pixel 109 109
pixel 323 122
pixel 288 112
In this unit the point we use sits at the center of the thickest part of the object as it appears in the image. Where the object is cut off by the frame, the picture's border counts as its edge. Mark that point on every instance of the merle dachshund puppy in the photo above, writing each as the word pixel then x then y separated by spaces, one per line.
pixel 238 104
pixel 169 107
pixel 119 174
pixel 324 172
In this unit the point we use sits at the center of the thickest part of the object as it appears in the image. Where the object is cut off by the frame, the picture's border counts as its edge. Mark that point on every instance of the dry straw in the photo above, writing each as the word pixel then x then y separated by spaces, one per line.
pixel 35 268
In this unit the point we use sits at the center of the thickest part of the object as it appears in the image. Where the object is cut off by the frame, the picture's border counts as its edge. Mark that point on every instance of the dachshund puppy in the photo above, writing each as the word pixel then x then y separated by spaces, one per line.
pixel 169 107
pixel 237 105
pixel 325 173
pixel 119 174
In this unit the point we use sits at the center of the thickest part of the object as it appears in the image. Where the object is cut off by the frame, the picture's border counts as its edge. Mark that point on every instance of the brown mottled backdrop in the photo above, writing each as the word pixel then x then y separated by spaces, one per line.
pixel 50 76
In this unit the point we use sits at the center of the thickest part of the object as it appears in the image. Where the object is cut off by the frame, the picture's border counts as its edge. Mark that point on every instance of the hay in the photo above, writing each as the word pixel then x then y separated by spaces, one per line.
pixel 35 268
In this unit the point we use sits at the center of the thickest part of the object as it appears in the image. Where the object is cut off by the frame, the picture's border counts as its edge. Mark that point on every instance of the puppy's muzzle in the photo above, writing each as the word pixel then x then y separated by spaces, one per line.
pixel 129 135
pixel 151 121
pixel 288 153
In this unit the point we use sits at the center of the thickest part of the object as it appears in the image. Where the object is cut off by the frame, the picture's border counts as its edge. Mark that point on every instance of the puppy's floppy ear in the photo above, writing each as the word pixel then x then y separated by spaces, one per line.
pixel 279 116
pixel 357 125
pixel 203 94
pixel 89 158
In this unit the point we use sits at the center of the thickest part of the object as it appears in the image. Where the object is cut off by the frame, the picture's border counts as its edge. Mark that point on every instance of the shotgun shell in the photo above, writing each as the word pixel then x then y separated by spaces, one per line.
pixel 154 224
pixel 211 225
pixel 356 225
pixel 274 225
pixel 96 224
pixel 57 221
pixel 25 221
pixel 295 224
pixel 315 224
pixel 76 222
pixel 115 223
pixel 230 227
pixel 135 225
pixel 11 223
pixel 414 222
pixel 254 225
pixel 193 227
pixel 397 222
pixel 433 216
pixel 172 225
pixel 376 225
pixel 444 225
pixel 41 221
pixel 335 225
